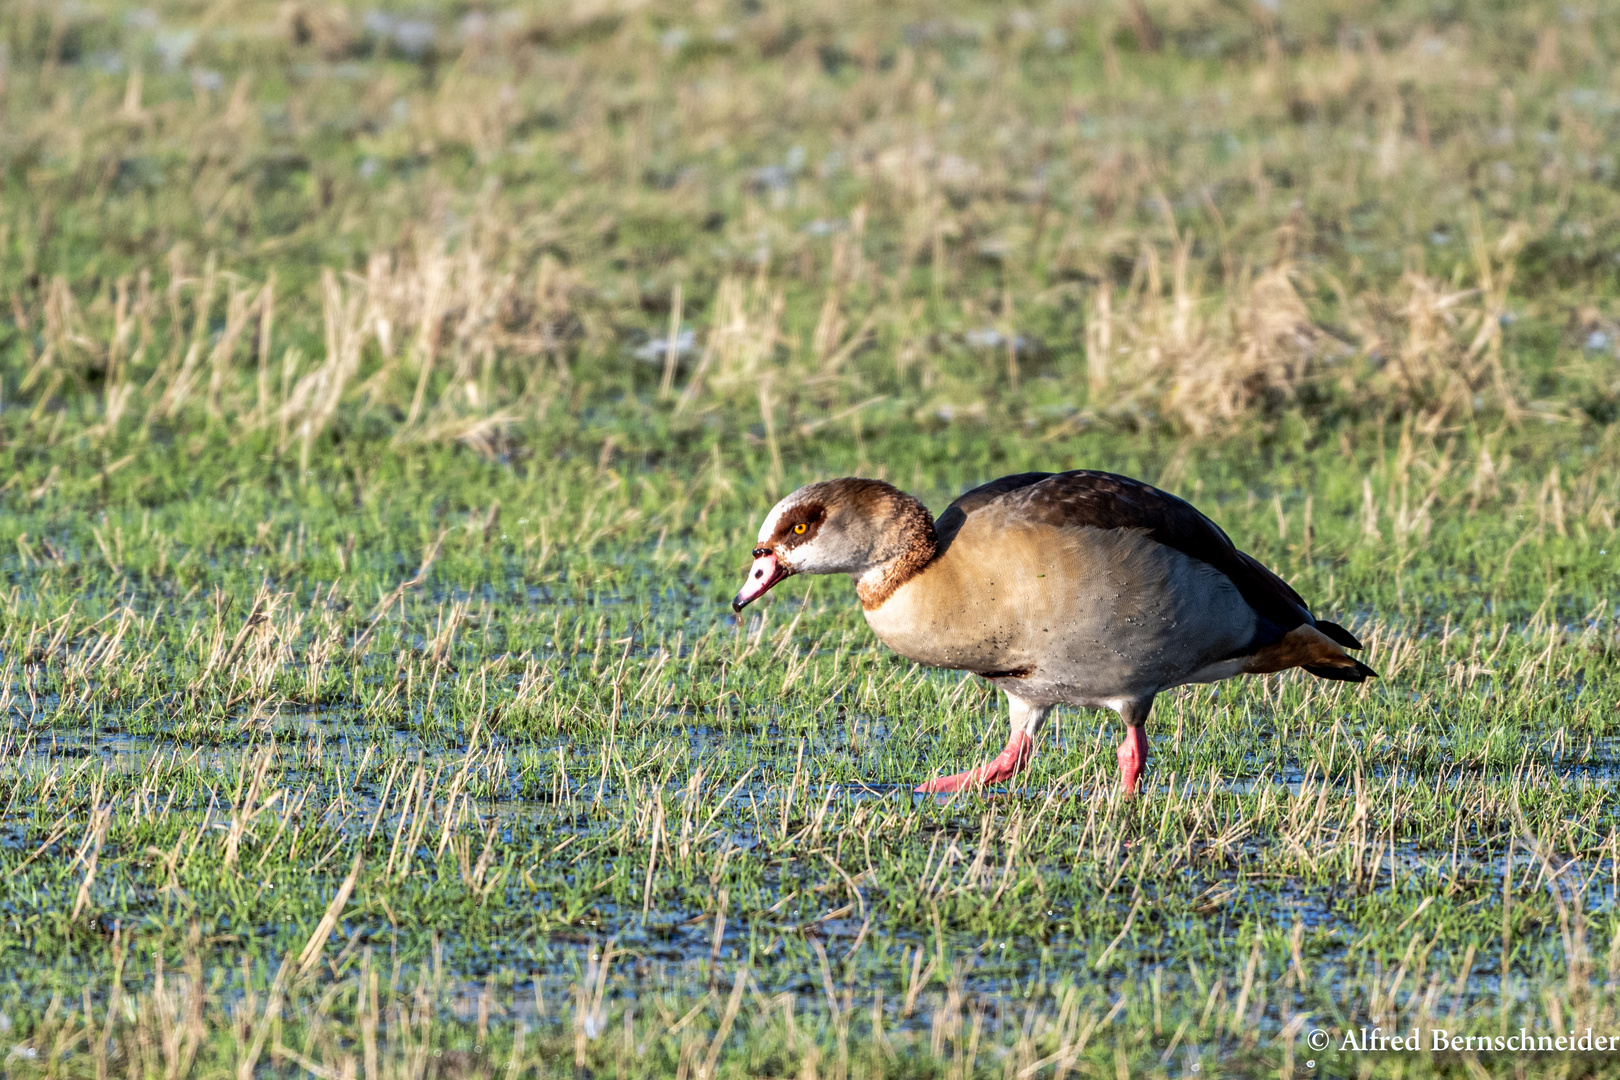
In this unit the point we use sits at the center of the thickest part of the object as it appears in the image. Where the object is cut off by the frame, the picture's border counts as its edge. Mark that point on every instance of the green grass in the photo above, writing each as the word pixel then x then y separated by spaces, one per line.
pixel 538 752
pixel 386 412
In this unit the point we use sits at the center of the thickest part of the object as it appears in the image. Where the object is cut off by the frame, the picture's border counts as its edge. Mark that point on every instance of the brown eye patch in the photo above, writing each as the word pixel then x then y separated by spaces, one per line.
pixel 800 526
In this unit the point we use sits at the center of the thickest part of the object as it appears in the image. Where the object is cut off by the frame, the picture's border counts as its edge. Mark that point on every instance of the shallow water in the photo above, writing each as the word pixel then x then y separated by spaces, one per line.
pixel 701 795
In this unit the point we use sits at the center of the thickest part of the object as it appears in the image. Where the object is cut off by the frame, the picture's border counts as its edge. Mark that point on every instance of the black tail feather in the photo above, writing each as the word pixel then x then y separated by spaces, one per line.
pixel 1360 673
pixel 1339 634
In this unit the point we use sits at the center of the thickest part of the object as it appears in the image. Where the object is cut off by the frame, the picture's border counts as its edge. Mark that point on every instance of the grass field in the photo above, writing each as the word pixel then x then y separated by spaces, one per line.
pixel 388 400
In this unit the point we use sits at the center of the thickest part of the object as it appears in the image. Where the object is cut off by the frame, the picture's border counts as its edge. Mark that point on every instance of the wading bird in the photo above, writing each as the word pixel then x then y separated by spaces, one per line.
pixel 1077 588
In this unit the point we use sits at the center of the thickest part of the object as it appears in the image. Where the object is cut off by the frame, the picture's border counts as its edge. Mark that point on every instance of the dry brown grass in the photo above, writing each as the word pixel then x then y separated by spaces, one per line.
pixel 966 213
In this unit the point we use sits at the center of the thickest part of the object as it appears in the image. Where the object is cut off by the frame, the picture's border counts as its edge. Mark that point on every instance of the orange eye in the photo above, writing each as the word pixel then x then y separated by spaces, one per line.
pixel 799 528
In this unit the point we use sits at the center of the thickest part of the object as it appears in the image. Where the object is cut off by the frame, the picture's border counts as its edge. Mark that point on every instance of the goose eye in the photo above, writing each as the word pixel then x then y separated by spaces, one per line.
pixel 799 528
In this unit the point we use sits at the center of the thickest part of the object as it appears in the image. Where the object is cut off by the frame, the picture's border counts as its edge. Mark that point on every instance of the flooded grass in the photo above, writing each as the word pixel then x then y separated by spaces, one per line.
pixel 256 785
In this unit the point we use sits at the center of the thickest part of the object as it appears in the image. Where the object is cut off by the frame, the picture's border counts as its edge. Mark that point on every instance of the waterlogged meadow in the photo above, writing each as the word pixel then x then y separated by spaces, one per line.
pixel 388 401
pixel 455 764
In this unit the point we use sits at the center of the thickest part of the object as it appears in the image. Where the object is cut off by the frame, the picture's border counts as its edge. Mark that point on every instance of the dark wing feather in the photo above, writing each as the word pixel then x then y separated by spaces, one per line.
pixel 1339 634
pixel 1105 501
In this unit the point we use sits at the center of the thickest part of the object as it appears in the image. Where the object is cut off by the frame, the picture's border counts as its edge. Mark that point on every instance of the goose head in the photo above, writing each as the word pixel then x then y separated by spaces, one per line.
pixel 852 526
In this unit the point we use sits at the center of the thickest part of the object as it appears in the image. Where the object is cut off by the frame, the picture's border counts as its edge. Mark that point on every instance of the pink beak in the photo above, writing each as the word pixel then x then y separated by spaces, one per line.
pixel 765 572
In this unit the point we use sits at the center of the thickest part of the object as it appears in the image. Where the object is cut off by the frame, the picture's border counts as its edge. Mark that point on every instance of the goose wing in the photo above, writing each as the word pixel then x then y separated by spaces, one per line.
pixel 1087 499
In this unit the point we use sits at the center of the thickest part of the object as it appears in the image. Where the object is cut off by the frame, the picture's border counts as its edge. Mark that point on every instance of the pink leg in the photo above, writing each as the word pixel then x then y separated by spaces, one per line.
pixel 1133 753
pixel 1020 748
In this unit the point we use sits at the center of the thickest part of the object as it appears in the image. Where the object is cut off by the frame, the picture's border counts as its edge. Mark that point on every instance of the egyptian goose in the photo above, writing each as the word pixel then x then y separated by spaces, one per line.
pixel 1077 588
